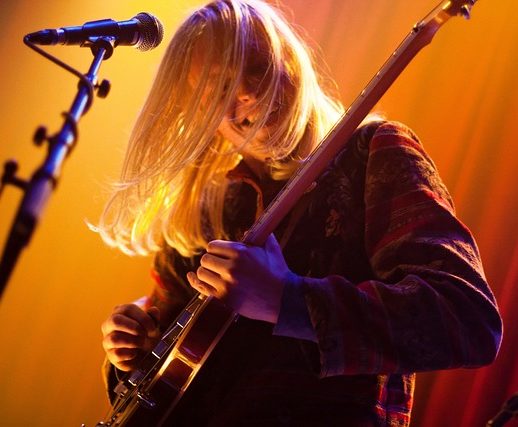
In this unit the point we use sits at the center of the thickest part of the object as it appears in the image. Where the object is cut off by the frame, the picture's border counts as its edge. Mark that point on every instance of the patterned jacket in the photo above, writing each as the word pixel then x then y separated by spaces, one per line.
pixel 387 282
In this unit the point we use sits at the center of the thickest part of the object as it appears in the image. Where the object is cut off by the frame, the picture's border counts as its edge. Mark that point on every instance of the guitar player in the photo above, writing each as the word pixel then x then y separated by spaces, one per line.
pixel 369 279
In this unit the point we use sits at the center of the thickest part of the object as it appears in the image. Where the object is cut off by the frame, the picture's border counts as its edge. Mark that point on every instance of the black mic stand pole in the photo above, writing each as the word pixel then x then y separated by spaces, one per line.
pixel 38 189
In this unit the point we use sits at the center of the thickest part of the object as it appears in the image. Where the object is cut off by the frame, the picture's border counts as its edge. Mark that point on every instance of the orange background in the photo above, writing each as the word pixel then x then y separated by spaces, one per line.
pixel 460 95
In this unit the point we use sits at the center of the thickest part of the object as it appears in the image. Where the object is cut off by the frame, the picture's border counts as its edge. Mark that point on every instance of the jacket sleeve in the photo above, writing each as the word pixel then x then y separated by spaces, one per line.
pixel 428 306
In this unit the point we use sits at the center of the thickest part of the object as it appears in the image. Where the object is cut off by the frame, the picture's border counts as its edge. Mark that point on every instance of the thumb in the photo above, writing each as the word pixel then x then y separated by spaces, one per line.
pixel 272 245
pixel 154 313
pixel 143 302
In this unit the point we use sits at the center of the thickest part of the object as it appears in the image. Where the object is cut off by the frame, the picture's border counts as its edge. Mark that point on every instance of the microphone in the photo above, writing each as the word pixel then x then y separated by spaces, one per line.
pixel 144 31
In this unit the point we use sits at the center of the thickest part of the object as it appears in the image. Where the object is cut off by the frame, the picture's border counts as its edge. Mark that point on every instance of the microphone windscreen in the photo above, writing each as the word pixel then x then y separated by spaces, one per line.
pixel 151 31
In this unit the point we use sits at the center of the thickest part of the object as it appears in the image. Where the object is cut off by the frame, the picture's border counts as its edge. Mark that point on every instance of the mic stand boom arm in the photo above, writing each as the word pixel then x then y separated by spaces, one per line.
pixel 38 189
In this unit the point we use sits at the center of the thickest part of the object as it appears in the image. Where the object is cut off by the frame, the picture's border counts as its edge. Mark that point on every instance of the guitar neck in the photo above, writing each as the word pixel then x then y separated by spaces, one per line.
pixel 420 36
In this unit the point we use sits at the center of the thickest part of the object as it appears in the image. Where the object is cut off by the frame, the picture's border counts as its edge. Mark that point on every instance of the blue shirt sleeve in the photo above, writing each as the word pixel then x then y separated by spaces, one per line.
pixel 294 321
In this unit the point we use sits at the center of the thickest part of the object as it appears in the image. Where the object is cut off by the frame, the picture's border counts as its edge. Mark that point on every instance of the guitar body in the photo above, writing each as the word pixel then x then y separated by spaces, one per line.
pixel 151 395
pixel 157 392
pixel 180 395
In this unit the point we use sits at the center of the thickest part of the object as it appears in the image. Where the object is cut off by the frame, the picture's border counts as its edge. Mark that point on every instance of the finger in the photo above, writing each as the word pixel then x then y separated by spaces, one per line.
pixel 134 312
pixel 216 263
pixel 202 287
pixel 122 354
pixel 124 359
pixel 120 322
pixel 126 365
pixel 212 279
pixel 225 248
pixel 122 340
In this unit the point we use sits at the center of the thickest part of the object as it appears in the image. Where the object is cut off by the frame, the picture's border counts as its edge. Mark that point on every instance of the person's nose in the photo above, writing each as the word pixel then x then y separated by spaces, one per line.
pixel 246 96
pixel 245 108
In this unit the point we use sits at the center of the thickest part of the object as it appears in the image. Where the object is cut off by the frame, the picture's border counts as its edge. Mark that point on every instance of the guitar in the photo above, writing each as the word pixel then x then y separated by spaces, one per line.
pixel 149 395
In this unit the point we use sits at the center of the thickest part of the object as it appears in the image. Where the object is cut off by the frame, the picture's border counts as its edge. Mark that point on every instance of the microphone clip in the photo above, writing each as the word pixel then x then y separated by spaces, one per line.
pixel 102 42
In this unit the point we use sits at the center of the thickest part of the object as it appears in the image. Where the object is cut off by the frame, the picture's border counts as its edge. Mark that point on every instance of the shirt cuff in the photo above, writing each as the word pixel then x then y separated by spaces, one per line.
pixel 293 320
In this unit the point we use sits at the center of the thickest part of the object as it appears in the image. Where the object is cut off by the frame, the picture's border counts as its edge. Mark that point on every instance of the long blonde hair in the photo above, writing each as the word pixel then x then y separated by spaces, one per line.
pixel 173 179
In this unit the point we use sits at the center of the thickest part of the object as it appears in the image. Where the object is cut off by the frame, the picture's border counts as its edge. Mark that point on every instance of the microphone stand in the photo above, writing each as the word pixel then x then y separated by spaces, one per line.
pixel 38 189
